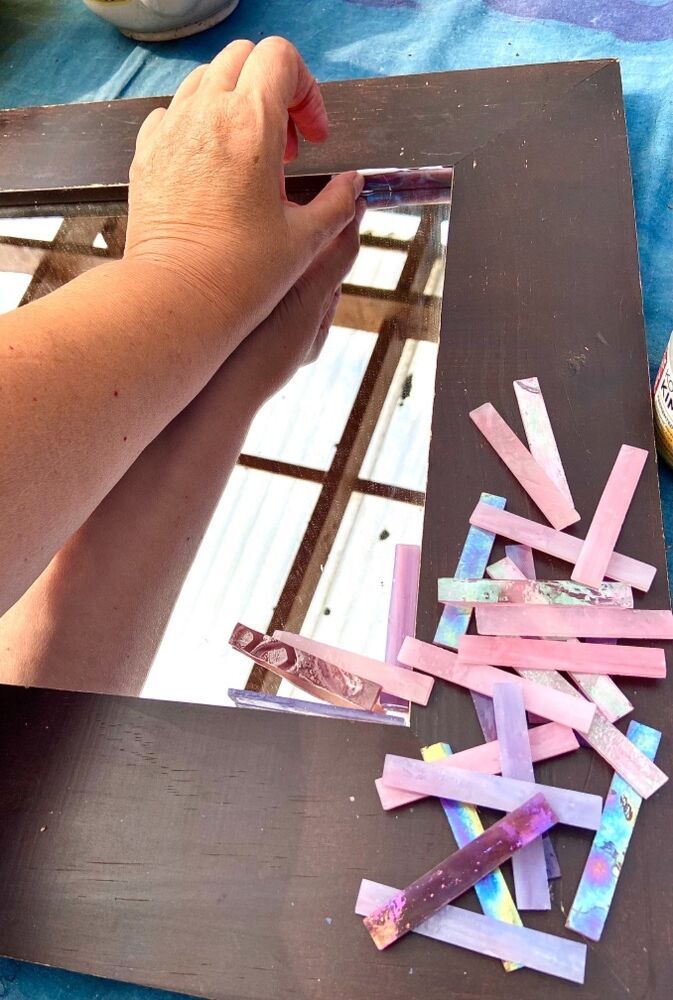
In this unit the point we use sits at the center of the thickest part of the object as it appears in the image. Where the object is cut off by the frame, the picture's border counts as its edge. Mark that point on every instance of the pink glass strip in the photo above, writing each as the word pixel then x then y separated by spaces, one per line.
pixel 574 712
pixel 550 654
pixel 613 506
pixel 535 481
pixel 401 612
pixel 601 689
pixel 573 622
pixel 558 544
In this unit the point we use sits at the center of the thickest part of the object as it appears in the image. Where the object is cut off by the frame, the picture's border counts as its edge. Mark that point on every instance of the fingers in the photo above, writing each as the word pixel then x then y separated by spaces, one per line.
pixel 276 70
pixel 189 85
pixel 330 211
pixel 292 143
pixel 149 126
pixel 330 267
pixel 223 72
pixel 324 329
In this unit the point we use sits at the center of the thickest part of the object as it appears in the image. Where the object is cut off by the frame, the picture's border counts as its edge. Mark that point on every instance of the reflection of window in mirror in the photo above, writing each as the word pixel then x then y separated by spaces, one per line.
pixel 333 470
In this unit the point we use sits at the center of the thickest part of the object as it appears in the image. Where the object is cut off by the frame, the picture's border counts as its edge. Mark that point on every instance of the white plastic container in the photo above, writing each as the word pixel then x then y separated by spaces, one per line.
pixel 162 20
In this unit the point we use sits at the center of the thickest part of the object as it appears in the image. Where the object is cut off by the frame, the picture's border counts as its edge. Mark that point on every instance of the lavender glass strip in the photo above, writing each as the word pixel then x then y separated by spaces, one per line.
pixel 295 706
pixel 492 892
pixel 455 620
pixel 555 956
pixel 550 859
pixel 489 790
pixel 596 890
pixel 522 556
pixel 528 865
pixel 456 874
pixel 402 612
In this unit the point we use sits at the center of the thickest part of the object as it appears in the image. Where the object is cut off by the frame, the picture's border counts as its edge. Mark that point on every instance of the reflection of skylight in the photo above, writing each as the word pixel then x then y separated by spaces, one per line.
pixel 390 225
pixel 13 285
pixel 39 228
pixel 237 575
pixel 375 268
pixel 303 422
pixel 354 439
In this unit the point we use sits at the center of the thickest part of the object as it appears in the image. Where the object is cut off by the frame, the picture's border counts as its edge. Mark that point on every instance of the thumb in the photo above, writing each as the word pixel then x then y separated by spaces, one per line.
pixel 330 211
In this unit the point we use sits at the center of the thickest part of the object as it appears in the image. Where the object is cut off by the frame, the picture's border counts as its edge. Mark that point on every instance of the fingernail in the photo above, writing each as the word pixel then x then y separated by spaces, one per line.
pixel 360 209
pixel 358 184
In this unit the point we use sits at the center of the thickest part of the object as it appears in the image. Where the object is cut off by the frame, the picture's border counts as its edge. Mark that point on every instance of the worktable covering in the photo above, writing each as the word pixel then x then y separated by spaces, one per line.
pixel 56 51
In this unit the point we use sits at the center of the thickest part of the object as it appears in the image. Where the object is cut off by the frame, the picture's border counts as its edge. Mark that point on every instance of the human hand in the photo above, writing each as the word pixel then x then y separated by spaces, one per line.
pixel 207 205
pixel 294 333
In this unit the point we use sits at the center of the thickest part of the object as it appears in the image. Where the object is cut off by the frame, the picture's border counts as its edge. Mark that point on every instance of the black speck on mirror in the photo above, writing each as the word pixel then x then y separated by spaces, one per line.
pixel 332 473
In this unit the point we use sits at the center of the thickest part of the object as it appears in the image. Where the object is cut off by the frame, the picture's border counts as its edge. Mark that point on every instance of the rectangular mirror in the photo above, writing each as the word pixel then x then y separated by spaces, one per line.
pixel 332 474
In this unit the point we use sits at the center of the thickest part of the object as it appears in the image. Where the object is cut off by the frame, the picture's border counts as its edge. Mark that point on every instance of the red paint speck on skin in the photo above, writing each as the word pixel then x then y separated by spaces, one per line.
pixel 11 348
pixel 35 399
pixel 126 439
pixel 116 392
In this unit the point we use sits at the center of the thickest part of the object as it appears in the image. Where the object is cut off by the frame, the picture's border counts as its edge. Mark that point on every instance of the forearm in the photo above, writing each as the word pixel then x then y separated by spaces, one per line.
pixel 91 374
pixel 94 619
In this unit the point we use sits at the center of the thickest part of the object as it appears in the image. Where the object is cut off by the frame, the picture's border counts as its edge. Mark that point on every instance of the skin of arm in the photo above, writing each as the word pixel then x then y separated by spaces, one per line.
pixel 93 372
pixel 94 618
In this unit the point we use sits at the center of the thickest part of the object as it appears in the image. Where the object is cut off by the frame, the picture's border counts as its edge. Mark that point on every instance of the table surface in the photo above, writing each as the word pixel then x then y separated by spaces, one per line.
pixel 360 38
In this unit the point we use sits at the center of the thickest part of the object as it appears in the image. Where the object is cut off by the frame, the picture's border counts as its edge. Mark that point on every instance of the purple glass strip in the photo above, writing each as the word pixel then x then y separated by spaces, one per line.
pixel 459 872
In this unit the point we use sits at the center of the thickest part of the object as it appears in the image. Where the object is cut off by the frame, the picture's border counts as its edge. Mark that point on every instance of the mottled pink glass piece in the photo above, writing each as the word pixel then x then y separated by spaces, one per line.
pixel 546 741
pixel 555 956
pixel 608 741
pixel 613 506
pixel 573 622
pixel 535 481
pixel 400 681
pixel 558 544
pixel 574 712
pixel 459 872
pixel 310 673
pixel 490 791
pixel 528 865
pixel 551 654
pixel 539 433
pixel 451 590
pixel 599 688
pixel 401 612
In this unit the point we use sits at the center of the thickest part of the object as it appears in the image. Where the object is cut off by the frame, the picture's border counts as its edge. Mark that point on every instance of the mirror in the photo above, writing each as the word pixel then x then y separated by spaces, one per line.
pixel 332 473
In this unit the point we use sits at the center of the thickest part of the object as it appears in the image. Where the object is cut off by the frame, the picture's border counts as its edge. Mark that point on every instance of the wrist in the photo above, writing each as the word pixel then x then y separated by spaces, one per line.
pixel 168 292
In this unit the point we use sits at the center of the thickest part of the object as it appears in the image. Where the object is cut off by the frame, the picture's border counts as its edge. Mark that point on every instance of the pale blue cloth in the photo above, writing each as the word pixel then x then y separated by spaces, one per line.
pixel 56 51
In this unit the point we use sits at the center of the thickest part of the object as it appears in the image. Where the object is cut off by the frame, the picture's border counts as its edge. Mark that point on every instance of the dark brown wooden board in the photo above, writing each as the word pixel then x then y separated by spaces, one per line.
pixel 218 852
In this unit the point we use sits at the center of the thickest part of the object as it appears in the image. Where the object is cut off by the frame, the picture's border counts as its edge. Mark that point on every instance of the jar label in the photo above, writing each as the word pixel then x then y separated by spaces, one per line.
pixel 663 407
